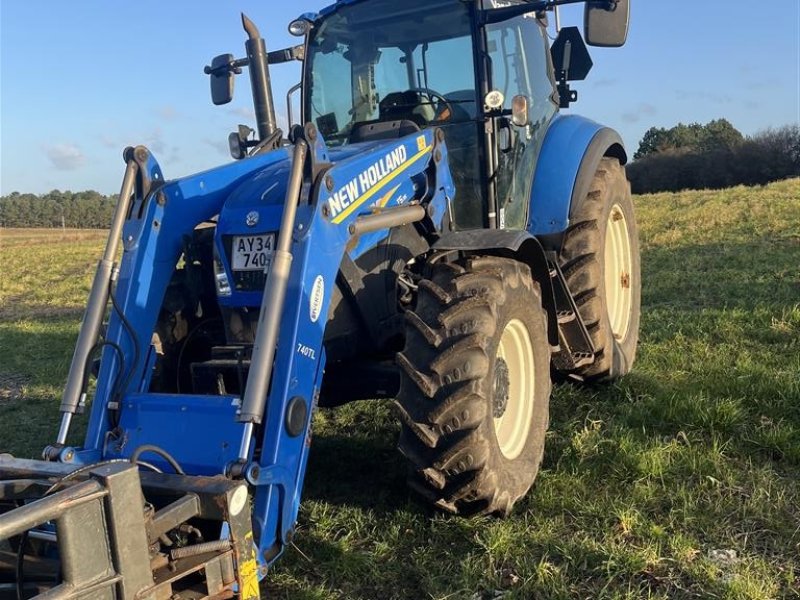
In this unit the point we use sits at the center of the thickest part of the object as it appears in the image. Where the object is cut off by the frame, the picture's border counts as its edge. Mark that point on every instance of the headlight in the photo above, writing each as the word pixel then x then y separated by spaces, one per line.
pixel 221 278
pixel 299 28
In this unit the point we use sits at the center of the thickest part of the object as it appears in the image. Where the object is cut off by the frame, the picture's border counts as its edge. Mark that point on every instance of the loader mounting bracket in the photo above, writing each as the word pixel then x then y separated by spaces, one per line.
pixel 116 533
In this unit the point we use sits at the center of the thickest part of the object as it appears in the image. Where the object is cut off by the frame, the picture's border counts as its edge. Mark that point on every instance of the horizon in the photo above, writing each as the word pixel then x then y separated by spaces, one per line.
pixel 63 125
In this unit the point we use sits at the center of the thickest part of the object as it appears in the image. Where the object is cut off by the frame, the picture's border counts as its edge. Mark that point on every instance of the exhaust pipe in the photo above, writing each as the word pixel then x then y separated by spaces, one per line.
pixel 260 80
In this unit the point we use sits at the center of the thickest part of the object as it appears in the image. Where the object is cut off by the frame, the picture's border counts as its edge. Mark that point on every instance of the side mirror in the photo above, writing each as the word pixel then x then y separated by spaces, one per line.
pixel 519 111
pixel 606 22
pixel 222 76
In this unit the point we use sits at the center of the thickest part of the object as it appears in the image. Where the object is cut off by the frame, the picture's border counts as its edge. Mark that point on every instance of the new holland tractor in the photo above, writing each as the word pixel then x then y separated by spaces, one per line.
pixel 435 232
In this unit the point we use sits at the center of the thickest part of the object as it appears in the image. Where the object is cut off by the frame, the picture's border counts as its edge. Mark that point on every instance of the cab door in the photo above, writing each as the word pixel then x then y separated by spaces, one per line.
pixel 520 64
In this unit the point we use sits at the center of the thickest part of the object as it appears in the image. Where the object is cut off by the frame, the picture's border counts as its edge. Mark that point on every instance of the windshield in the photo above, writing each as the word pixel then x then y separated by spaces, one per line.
pixel 383 60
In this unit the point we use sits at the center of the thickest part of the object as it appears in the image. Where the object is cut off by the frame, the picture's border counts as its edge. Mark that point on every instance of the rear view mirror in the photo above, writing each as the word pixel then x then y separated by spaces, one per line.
pixel 221 79
pixel 606 22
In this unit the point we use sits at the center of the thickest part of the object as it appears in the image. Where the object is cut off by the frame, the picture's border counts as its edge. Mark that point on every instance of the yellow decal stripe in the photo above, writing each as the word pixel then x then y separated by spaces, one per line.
pixel 385 200
pixel 248 571
pixel 380 185
pixel 248 574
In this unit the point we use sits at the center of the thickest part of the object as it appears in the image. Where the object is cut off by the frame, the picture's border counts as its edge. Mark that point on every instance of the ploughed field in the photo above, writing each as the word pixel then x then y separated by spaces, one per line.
pixel 681 481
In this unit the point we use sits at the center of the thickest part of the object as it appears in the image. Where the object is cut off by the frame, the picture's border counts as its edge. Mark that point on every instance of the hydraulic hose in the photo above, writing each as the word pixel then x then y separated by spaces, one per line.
pixel 160 452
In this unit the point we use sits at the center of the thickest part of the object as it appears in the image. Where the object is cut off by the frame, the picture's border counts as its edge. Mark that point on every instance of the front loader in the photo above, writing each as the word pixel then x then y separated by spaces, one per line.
pixel 434 233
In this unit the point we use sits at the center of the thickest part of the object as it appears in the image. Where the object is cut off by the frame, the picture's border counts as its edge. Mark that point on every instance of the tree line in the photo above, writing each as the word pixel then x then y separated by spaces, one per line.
pixel 81 210
pixel 713 156
pixel 694 156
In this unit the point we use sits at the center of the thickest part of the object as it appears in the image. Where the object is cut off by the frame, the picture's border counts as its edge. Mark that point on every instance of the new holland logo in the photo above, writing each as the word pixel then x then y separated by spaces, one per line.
pixel 252 219
pixel 368 183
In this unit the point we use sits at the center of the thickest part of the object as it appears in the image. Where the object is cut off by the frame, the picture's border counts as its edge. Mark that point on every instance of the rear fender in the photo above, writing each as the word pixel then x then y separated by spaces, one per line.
pixel 519 245
pixel 570 156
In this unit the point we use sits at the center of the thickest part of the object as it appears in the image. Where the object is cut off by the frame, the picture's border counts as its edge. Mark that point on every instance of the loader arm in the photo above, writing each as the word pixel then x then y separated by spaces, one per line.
pixel 327 222
pixel 262 441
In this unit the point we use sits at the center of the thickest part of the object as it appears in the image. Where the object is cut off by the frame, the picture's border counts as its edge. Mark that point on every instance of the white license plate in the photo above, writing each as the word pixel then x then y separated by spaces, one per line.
pixel 253 252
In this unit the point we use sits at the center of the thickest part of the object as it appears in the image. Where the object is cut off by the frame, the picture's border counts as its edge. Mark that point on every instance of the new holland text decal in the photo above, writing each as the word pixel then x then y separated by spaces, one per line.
pixel 369 182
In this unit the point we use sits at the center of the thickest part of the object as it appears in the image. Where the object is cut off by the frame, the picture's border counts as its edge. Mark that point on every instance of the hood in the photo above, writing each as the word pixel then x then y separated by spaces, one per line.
pixel 268 186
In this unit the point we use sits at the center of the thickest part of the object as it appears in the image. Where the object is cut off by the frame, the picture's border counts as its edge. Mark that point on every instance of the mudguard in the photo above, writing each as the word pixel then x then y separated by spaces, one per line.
pixel 571 152
pixel 520 245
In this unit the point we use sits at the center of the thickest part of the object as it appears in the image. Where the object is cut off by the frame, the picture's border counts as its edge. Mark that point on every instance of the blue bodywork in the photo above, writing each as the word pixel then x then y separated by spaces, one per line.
pixel 560 163
pixel 153 243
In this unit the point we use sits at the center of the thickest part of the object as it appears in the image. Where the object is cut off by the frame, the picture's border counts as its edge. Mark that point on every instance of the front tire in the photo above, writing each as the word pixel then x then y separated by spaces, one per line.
pixel 475 390
pixel 601 263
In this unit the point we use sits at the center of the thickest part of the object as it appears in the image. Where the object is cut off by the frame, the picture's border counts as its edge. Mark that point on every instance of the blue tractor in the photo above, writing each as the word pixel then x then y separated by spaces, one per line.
pixel 435 232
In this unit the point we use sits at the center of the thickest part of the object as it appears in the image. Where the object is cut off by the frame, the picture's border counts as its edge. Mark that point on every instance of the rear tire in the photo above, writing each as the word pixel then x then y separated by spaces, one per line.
pixel 475 390
pixel 600 260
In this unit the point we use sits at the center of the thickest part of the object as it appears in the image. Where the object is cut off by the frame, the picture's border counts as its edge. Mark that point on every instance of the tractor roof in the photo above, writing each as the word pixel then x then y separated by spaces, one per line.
pixel 393 23
pixel 340 3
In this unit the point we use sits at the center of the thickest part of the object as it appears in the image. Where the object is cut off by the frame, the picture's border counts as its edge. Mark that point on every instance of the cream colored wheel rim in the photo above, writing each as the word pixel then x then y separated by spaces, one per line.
pixel 513 426
pixel 618 268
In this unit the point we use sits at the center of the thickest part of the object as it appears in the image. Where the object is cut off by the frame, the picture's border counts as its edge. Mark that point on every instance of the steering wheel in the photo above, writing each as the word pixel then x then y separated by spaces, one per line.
pixel 444 111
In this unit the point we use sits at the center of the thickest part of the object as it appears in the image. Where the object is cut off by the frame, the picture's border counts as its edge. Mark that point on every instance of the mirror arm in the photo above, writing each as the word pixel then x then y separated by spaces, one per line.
pixel 278 57
pixel 232 67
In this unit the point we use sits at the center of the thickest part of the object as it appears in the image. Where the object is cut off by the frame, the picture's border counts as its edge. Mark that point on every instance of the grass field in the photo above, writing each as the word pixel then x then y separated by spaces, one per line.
pixel 681 481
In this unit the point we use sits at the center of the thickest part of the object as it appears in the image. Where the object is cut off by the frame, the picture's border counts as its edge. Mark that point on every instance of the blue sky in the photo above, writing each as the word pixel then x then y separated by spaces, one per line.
pixel 80 80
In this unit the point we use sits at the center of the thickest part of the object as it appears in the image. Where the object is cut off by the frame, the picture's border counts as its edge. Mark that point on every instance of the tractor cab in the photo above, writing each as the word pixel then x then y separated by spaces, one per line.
pixel 481 71
pixel 381 69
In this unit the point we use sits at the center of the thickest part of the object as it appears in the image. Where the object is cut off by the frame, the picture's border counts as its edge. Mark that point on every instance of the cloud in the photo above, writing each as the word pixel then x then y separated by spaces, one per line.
pixel 243 112
pixel 175 155
pixel 167 112
pixel 220 146
pixel 759 86
pixel 155 141
pixel 601 83
pixel 109 142
pixel 700 96
pixel 65 157
pixel 640 112
pixel 248 117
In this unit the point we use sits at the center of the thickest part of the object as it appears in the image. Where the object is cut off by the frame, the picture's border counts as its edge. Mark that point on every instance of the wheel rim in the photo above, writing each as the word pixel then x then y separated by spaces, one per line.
pixel 618 269
pixel 512 427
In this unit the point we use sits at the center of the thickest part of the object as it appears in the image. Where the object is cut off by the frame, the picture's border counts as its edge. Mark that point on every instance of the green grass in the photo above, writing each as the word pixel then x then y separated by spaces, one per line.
pixel 697 451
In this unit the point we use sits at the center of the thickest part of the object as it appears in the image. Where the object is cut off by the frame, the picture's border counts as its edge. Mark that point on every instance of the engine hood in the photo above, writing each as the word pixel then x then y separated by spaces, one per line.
pixel 267 187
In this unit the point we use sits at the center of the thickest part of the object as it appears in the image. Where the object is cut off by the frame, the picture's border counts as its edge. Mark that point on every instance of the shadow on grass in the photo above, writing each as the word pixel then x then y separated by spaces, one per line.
pixel 365 472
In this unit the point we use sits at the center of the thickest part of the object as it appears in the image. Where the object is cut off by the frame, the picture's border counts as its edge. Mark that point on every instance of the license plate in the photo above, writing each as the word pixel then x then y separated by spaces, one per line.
pixel 253 252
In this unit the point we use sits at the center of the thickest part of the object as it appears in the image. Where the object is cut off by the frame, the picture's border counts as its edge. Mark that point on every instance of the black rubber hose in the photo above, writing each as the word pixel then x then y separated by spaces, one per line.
pixel 88 366
pixel 132 333
pixel 160 452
